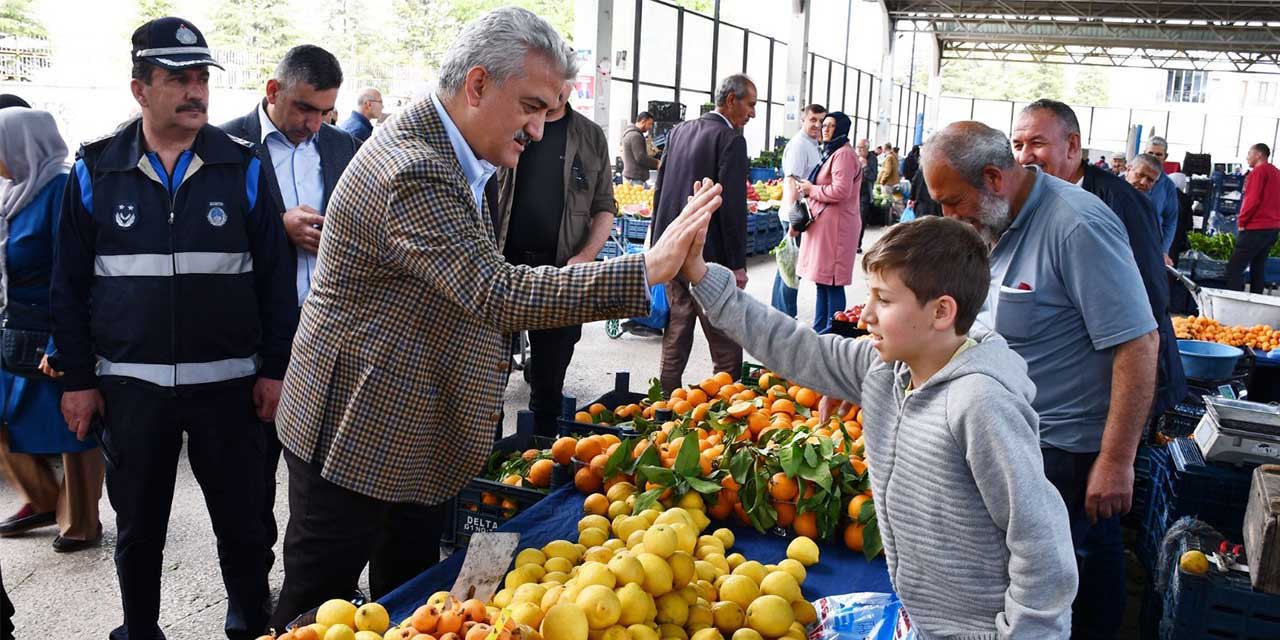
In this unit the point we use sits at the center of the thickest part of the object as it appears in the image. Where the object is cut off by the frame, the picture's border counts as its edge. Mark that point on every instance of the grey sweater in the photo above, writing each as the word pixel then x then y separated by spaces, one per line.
pixel 976 538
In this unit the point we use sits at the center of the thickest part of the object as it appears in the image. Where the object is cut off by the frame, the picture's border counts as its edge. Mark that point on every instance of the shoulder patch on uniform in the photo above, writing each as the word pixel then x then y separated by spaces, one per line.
pixel 99 141
pixel 241 141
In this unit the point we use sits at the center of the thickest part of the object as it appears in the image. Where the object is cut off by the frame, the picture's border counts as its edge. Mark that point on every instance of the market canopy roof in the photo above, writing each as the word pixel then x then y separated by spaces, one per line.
pixel 1217 35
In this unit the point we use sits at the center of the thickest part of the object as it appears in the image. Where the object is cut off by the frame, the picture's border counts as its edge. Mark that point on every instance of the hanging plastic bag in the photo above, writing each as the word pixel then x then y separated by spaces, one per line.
pixel 787 253
pixel 908 215
pixel 862 616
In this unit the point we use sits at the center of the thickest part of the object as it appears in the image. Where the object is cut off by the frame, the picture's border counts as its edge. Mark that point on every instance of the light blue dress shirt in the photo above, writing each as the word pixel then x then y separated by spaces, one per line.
pixel 476 170
pixel 301 180
pixel 1164 197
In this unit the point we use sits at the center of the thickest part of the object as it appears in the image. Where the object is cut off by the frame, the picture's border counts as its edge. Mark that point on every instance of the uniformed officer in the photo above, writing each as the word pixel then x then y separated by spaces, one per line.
pixel 174 308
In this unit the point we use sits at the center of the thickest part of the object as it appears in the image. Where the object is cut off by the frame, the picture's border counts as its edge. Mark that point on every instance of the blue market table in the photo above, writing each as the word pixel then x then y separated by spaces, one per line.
pixel 556 518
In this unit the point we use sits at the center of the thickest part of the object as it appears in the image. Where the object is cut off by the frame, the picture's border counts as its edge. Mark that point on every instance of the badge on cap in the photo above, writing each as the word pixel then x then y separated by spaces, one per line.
pixel 185 35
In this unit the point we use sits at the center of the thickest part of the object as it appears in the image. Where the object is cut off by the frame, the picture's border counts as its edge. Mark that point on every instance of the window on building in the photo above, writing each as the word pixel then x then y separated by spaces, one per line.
pixel 1184 85
pixel 1265 93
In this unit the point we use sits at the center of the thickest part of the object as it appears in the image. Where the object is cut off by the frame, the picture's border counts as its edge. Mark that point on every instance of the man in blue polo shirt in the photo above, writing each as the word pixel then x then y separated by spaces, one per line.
pixel 1066 294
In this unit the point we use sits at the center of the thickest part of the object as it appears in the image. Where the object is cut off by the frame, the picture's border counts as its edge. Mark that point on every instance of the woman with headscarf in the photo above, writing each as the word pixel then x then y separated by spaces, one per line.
pixel 831 240
pixel 33 167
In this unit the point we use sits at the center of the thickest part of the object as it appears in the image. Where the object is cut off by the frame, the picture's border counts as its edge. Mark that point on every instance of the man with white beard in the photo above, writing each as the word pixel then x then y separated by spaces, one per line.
pixel 1066 294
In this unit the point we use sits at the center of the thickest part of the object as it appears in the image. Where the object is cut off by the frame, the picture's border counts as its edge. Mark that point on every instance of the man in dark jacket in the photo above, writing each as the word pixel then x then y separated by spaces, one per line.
pixel 870 168
pixel 636 161
pixel 709 147
pixel 306 158
pixel 1047 134
pixel 173 312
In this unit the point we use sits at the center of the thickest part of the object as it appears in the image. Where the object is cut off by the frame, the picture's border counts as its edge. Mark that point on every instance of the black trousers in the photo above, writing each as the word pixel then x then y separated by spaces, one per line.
pixel 550 352
pixel 144 427
pixel 1098 609
pixel 334 532
pixel 6 614
pixel 1251 250
pixel 270 462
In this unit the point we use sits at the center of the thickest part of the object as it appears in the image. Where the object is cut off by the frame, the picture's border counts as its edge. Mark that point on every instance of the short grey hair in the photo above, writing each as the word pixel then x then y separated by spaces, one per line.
pixel 498 42
pixel 1157 141
pixel 367 95
pixel 736 84
pixel 969 148
pixel 1149 160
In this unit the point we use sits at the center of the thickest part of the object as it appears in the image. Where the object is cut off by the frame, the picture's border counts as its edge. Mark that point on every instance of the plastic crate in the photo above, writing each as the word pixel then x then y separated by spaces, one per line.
pixel 1227 206
pixel 1216 605
pixel 1141 482
pixel 621 394
pixel 611 249
pixel 763 174
pixel 1182 484
pixel 472 513
pixel 634 230
pixel 847 329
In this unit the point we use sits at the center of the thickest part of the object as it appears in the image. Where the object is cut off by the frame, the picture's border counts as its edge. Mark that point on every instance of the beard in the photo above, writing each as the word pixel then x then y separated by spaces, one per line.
pixel 993 217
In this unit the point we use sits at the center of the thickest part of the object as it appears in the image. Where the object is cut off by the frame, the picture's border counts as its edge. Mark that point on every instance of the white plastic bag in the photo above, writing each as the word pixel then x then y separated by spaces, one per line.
pixel 787 253
pixel 862 616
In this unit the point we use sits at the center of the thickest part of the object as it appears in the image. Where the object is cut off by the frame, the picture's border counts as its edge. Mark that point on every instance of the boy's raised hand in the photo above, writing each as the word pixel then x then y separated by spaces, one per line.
pixel 694 267
pixel 665 258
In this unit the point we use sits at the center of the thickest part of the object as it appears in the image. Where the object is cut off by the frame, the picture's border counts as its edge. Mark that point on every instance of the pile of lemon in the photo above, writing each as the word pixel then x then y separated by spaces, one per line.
pixel 654 575
pixel 627 194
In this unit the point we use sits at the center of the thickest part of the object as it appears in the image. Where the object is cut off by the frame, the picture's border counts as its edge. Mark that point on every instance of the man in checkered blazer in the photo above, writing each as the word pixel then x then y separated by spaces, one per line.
pixel 399 365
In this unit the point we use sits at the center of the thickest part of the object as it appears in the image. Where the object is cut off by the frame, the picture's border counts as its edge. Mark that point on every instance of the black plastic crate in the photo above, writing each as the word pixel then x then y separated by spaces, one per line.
pixel 1141 483
pixel 1215 605
pixel 621 395
pixel 666 111
pixel 1182 484
pixel 847 329
pixel 1227 206
pixel 484 505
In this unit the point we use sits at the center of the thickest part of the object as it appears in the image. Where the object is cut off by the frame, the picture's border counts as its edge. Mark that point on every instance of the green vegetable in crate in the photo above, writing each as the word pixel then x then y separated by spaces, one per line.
pixel 530 469
pixel 1218 246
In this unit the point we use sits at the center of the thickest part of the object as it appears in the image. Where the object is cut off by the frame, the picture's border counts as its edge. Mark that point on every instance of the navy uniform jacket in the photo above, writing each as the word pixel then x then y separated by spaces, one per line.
pixel 171 279
pixel 1139 218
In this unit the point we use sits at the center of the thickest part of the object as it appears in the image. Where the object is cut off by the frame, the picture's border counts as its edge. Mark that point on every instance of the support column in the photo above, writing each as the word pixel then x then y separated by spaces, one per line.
pixel 797 67
pixel 931 123
pixel 593 36
pixel 884 107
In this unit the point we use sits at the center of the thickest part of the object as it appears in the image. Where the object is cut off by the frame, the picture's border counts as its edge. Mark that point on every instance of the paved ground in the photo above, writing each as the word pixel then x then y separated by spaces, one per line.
pixel 77 594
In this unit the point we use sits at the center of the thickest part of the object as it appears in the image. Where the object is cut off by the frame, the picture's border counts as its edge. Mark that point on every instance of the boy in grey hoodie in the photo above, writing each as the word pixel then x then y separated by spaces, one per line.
pixel 976 538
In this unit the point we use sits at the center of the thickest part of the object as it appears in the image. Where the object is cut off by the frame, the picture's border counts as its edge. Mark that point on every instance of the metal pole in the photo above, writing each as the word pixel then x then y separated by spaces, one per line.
pixel 1091 110
pixel 830 65
pixel 679 49
pixel 768 100
pixel 635 64
pixel 746 46
pixel 715 49
pixel 1204 125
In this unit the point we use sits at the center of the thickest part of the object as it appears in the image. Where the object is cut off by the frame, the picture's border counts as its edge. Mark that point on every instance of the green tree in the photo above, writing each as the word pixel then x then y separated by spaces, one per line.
pixel 152 9
pixel 705 7
pixel 428 27
pixel 992 80
pixel 17 20
pixel 349 36
pixel 1092 87
pixel 259 29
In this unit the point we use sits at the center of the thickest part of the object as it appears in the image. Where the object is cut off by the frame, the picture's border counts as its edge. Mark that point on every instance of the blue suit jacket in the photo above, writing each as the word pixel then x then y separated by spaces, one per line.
pixel 358 126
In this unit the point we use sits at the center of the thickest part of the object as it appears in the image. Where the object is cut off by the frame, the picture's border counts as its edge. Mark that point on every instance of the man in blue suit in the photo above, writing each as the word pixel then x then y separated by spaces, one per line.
pixel 306 157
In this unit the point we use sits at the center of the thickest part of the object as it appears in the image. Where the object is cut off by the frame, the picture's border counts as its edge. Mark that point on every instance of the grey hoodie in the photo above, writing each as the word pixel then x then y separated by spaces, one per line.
pixel 976 538
pixel 636 161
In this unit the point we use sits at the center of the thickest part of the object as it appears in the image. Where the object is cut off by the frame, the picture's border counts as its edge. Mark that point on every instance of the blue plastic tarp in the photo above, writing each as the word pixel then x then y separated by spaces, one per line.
pixel 556 518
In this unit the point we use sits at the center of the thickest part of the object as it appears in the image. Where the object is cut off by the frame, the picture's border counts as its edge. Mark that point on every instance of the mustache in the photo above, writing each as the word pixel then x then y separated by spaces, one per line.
pixel 522 137
pixel 194 105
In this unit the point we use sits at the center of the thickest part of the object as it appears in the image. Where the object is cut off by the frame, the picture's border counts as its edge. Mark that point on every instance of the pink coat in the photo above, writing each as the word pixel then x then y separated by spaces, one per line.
pixel 830 244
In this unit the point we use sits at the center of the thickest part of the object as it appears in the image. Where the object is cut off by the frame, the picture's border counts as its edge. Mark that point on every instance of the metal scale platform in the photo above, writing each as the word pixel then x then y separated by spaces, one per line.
pixel 1239 432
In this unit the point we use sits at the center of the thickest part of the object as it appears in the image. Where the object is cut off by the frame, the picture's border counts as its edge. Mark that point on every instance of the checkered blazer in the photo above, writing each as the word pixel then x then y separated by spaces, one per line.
pixel 399 364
